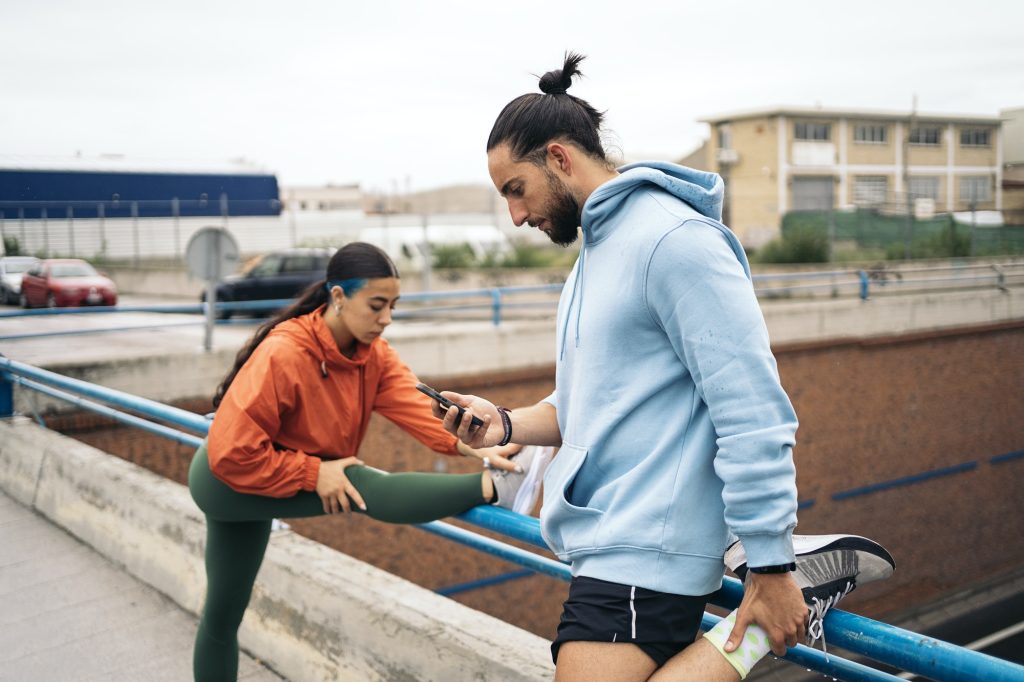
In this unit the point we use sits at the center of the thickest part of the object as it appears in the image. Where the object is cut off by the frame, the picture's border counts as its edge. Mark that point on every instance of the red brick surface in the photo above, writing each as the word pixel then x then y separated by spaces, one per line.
pixel 869 413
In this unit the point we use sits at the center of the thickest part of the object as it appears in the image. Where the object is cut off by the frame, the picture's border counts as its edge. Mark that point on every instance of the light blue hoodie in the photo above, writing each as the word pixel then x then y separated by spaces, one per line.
pixel 676 433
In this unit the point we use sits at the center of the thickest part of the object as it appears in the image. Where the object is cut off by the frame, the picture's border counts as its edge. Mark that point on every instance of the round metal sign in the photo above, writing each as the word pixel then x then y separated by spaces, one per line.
pixel 211 253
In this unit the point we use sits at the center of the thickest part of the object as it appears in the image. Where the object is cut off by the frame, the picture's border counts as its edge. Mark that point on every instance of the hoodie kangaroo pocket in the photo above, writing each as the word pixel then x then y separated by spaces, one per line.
pixel 565 526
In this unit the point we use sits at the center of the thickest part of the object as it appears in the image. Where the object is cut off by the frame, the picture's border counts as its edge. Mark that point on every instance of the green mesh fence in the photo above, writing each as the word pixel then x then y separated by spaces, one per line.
pixel 934 237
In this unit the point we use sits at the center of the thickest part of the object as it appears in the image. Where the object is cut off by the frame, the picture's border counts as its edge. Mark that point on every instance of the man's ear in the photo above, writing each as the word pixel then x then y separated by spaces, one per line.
pixel 560 157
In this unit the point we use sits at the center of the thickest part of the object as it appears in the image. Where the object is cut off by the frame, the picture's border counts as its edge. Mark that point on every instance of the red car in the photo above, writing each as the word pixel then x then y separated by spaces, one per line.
pixel 66 282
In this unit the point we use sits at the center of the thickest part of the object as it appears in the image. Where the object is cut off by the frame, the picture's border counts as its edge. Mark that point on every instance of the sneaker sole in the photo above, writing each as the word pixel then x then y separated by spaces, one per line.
pixel 874 561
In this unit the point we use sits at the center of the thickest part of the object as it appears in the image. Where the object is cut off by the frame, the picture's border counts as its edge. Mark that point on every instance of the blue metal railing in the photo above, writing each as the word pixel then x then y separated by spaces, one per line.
pixel 930 278
pixel 771 285
pixel 493 299
pixel 879 641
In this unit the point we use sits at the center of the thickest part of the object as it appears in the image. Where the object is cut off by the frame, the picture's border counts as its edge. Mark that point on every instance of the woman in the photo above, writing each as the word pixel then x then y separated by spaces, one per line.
pixel 291 415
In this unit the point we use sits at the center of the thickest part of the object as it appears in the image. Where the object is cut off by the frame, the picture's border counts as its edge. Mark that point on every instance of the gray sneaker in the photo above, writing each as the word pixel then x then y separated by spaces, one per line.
pixel 828 567
pixel 519 491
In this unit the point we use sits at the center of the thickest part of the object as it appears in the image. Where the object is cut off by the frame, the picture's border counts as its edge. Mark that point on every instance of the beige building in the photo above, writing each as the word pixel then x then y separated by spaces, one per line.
pixel 1013 165
pixel 782 159
pixel 322 197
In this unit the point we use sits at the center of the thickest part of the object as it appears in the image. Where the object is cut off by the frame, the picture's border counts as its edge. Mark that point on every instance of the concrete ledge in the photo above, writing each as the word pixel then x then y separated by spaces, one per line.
pixel 889 314
pixel 316 614
pixel 173 366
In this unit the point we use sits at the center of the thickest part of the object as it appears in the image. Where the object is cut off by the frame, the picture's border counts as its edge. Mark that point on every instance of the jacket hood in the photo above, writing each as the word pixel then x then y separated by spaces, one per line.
pixel 703 191
pixel 311 333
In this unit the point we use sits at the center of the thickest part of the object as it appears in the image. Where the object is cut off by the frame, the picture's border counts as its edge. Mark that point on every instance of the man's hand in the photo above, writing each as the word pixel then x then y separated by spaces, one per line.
pixel 485 436
pixel 773 601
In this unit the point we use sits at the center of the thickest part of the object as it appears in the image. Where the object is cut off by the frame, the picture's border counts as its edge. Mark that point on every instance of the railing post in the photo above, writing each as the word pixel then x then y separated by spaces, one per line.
pixel 224 208
pixel 1000 277
pixel 176 213
pixel 6 397
pixel 46 232
pixel 71 230
pixel 863 284
pixel 101 213
pixel 496 306
pixel 135 234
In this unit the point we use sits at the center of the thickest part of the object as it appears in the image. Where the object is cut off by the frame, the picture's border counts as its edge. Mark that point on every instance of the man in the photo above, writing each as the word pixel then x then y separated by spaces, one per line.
pixel 675 434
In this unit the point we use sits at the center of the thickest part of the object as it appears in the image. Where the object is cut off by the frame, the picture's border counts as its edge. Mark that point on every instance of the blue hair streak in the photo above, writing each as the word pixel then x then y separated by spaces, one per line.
pixel 348 286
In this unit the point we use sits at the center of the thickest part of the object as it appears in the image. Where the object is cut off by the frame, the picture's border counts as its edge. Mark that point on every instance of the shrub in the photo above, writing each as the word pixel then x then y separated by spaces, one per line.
pixel 799 244
pixel 449 256
pixel 12 247
pixel 949 243
pixel 527 255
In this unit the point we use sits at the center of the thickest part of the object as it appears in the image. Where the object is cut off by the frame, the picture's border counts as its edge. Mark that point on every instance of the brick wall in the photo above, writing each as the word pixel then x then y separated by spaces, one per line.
pixel 870 412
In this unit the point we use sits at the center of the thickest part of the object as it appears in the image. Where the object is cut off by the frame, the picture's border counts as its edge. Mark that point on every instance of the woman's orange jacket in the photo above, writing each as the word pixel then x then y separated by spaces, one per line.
pixel 297 399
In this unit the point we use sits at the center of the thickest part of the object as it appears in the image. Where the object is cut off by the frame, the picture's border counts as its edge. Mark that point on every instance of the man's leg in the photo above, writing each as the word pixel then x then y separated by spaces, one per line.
pixel 602 662
pixel 610 631
pixel 699 661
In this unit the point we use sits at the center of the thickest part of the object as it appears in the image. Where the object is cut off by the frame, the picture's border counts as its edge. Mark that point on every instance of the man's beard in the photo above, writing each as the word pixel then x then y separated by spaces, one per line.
pixel 563 212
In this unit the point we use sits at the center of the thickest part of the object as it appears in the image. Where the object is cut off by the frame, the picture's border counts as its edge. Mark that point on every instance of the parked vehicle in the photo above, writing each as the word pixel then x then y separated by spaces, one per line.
pixel 11 270
pixel 276 275
pixel 62 282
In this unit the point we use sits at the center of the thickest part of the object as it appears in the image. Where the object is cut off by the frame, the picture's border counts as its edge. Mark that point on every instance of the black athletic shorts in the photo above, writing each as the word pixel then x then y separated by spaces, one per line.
pixel 661 624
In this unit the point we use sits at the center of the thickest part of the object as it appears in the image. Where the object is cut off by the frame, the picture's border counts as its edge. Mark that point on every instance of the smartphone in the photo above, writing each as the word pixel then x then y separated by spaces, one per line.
pixel 446 404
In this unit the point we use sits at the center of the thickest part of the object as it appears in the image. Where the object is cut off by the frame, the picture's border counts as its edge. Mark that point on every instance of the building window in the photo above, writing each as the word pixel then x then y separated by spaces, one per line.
pixel 724 137
pixel 975 137
pixel 870 190
pixel 871 134
pixel 975 188
pixel 925 136
pixel 819 132
pixel 924 187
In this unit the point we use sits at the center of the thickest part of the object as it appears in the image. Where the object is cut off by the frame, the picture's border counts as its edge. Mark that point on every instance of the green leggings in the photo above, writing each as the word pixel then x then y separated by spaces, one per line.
pixel 238 529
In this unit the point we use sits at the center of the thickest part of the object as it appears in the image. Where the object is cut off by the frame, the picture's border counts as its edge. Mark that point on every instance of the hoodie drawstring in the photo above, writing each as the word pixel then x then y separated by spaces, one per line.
pixel 577 284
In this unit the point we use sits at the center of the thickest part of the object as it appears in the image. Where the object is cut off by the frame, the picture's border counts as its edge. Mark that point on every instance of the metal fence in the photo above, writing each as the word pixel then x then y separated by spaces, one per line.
pixel 902 235
pixel 140 230
pixel 883 643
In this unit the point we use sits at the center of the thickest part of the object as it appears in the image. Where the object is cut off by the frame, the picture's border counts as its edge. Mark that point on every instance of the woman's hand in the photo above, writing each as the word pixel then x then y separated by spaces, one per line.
pixel 334 488
pixel 496 457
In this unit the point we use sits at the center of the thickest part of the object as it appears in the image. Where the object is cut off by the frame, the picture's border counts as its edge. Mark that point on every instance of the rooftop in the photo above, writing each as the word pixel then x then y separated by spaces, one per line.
pixel 831 112
pixel 120 163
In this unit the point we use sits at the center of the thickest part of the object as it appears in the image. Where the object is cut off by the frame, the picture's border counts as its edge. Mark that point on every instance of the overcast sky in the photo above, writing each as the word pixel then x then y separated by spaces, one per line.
pixel 403 94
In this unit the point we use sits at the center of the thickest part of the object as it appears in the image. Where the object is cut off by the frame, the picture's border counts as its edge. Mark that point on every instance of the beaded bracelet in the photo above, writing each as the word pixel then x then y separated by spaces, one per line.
pixel 506 421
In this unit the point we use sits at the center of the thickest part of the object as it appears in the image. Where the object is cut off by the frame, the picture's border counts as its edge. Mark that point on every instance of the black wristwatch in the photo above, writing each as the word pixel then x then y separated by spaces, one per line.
pixel 777 568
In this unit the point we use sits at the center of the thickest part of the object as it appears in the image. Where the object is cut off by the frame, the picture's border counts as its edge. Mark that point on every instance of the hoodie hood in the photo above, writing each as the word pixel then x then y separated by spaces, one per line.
pixel 702 191
pixel 311 333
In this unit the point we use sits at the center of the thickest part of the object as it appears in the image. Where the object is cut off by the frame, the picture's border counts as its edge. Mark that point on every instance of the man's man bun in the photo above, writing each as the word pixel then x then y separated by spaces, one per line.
pixel 558 81
pixel 530 121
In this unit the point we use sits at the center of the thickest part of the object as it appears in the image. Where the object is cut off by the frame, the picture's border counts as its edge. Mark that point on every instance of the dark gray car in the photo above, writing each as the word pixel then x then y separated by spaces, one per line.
pixel 276 275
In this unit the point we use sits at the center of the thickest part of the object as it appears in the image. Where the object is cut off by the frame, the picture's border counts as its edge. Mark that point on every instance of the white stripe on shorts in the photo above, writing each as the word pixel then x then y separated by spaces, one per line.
pixel 632 608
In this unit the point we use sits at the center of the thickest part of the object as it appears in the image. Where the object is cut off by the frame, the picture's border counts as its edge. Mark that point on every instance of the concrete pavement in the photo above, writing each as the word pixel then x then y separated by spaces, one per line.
pixel 316 614
pixel 70 614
